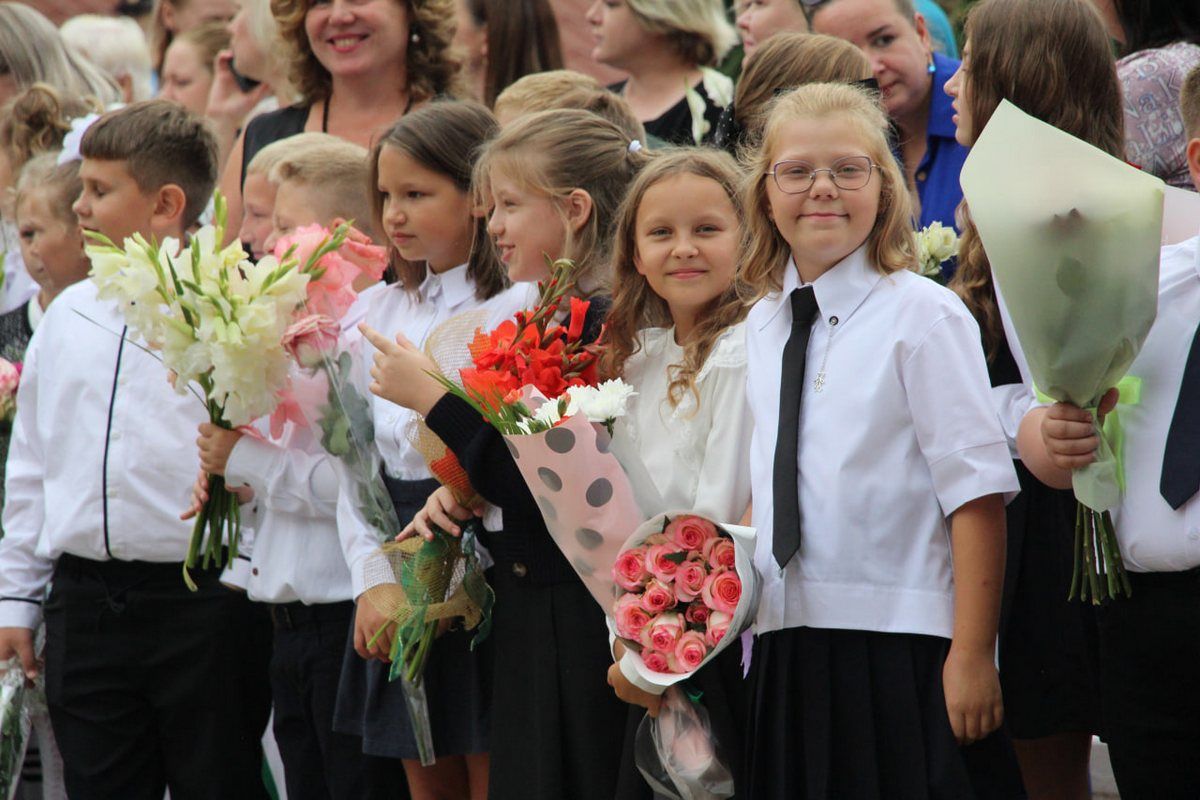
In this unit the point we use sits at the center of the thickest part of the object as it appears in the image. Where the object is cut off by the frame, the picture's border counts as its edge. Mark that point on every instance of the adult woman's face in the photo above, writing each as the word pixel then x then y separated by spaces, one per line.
pixel 759 19
pixel 248 56
pixel 186 79
pixel 898 48
pixel 354 38
pixel 618 35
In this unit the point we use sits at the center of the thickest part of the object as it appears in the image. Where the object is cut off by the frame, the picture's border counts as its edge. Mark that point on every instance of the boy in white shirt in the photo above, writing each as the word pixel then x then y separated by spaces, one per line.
pixel 1150 641
pixel 150 686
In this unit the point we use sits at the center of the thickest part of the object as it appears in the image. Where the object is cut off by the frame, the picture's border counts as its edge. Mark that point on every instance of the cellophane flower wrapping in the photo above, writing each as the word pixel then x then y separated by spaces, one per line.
pixel 16 722
pixel 677 752
pixel 1072 235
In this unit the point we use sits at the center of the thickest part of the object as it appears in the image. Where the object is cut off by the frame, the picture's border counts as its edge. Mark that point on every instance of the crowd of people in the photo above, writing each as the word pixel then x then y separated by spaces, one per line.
pixel 738 186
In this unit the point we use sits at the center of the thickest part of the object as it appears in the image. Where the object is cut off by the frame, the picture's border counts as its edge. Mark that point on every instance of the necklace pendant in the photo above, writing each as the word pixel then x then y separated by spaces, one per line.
pixel 819 381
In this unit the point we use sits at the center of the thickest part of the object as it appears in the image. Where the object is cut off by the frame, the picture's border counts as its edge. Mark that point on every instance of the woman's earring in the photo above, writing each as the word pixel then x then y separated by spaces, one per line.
pixel 931 68
pixel 416 37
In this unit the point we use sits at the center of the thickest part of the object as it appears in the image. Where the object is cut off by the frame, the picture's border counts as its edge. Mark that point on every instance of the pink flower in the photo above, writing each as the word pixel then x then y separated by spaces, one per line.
pixel 690 650
pixel 718 626
pixel 630 617
pixel 720 552
pixel 630 570
pixel 657 597
pixel 722 591
pixel 331 291
pixel 690 532
pixel 311 339
pixel 654 661
pixel 662 560
pixel 689 580
pixel 10 377
pixel 697 613
pixel 664 632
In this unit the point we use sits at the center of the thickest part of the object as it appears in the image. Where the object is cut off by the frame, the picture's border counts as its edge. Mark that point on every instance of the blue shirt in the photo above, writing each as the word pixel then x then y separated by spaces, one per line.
pixel 937 174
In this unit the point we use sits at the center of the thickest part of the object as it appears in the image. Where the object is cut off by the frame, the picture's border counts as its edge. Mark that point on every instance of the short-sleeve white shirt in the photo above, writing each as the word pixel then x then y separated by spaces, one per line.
pixel 902 433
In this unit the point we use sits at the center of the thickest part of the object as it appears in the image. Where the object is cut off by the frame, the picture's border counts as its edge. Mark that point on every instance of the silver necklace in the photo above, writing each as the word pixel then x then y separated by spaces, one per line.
pixel 819 381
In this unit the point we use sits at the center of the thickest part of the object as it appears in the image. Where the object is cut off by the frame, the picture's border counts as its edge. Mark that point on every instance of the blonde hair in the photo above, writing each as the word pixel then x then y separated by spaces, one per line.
pixel 37 120
pixel 541 91
pixel 553 153
pixel 335 175
pixel 432 69
pixel 116 45
pixel 1189 101
pixel 266 159
pixel 890 245
pixel 788 60
pixel 58 183
pixel 32 51
pixel 635 304
pixel 698 29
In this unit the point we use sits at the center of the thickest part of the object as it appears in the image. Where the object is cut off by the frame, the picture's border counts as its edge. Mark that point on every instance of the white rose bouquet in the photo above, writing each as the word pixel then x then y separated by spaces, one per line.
pixel 936 244
pixel 218 321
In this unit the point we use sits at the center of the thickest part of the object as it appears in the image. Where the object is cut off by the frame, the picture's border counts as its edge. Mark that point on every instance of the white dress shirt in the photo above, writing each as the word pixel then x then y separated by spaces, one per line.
pixel 103 453
pixel 290 547
pixel 1153 537
pixel 902 433
pixel 697 456
pixel 415 314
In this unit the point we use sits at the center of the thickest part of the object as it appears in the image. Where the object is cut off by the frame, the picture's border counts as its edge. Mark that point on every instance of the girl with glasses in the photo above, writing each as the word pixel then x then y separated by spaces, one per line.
pixel 879 471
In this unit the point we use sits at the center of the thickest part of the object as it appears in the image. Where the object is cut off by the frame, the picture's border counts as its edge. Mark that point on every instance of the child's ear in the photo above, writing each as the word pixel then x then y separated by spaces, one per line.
pixel 169 205
pixel 1193 160
pixel 579 209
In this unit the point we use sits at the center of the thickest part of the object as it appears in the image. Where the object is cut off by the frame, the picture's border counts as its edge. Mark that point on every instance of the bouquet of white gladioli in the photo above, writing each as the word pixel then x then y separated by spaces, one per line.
pixel 218 321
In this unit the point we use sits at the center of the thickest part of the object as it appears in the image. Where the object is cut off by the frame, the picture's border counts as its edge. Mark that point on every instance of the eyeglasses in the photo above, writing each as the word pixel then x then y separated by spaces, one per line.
pixel 797 177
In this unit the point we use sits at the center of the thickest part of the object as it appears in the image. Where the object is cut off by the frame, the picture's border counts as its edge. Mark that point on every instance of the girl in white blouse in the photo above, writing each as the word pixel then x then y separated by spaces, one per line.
pixel 676 334
pixel 881 524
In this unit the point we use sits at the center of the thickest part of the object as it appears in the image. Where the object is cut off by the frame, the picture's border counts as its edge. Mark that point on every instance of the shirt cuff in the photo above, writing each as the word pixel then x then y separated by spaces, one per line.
pixel 250 462
pixel 237 575
pixel 16 613
pixel 370 571
pixel 972 473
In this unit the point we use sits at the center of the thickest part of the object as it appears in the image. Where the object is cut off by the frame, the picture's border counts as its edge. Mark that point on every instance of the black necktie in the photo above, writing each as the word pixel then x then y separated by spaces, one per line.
pixel 784 489
pixel 1181 456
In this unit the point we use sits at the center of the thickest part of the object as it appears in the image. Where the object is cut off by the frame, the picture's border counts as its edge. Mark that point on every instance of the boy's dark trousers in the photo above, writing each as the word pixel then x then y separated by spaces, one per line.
pixel 1149 662
pixel 152 686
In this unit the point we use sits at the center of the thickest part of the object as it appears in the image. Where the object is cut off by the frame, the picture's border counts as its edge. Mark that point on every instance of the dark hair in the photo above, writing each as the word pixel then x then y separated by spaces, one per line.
pixel 1052 59
pixel 1157 23
pixel 447 137
pixel 161 143
pixel 522 39
pixel 432 69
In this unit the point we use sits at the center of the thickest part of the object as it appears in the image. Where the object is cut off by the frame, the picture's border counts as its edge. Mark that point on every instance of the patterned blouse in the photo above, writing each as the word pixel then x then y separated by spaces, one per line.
pixel 1154 137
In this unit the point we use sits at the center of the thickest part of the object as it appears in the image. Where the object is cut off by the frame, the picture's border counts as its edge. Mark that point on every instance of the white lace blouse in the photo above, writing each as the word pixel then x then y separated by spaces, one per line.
pixel 698 457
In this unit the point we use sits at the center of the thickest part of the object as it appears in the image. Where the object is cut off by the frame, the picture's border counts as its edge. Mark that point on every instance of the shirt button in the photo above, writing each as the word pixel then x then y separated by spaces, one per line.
pixel 833 320
pixel 922 175
pixel 114 436
pixel 520 570
pixel 254 571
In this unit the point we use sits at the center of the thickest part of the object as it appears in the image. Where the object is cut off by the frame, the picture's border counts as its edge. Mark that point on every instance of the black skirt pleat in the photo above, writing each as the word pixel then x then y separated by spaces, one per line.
pixel 861 714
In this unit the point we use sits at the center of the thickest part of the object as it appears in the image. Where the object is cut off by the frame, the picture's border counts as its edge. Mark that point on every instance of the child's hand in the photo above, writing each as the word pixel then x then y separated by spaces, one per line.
pixel 367 622
pixel 973 699
pixel 631 694
pixel 1069 432
pixel 441 510
pixel 401 372
pixel 215 443
pixel 18 643
pixel 199 496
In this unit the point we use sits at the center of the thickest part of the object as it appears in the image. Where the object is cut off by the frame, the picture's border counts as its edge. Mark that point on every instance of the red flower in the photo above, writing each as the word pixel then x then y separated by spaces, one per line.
pixel 579 310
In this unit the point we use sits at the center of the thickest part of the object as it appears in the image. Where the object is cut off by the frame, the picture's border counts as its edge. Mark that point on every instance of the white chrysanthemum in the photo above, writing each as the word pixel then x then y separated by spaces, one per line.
pixel 604 403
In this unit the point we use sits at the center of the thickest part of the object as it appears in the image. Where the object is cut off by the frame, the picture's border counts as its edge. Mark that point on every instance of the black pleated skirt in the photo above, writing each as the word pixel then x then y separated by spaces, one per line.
pixel 725 695
pixel 457 681
pixel 862 715
pixel 557 727
pixel 1049 662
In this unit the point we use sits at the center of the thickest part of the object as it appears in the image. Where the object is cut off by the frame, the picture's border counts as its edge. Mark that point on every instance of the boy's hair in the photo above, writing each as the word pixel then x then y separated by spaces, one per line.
pixel 635 305
pixel 785 61
pixel 607 105
pixel 336 174
pixel 58 183
pixel 890 245
pixel 37 120
pixel 266 159
pixel 447 137
pixel 541 91
pixel 553 153
pixel 1053 60
pixel 698 30
pixel 1189 102
pixel 161 143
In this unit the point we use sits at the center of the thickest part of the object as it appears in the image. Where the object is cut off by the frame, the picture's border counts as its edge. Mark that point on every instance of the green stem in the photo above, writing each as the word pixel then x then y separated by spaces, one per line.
pixel 1077 567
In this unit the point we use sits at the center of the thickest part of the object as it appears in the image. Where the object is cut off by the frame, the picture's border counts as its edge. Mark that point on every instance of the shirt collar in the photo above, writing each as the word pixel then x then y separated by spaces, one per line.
pixel 453 284
pixel 941 112
pixel 840 291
